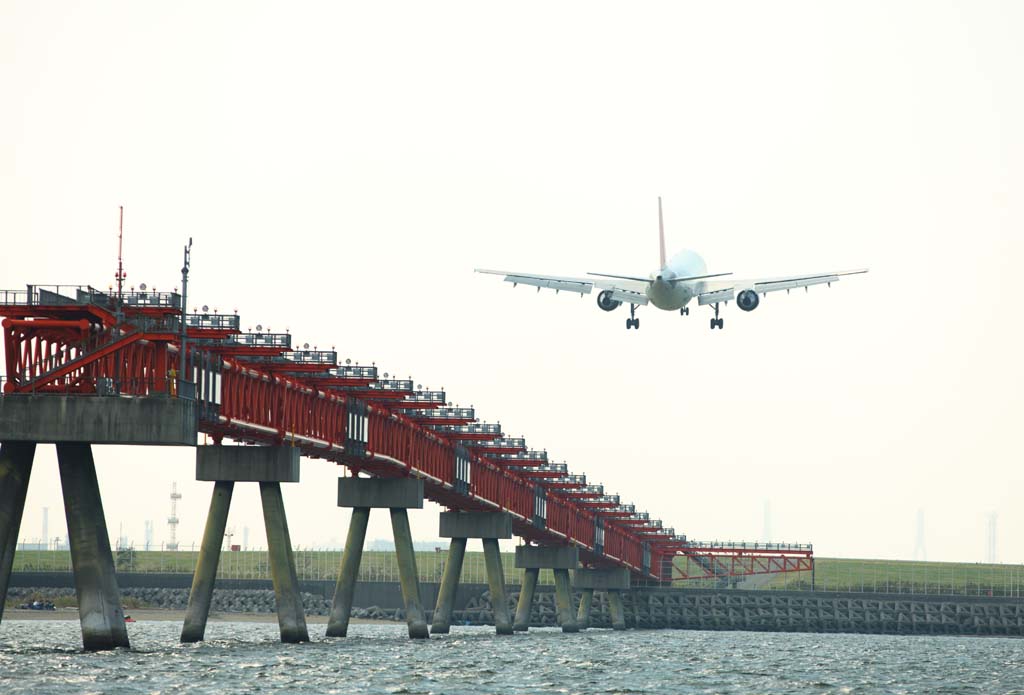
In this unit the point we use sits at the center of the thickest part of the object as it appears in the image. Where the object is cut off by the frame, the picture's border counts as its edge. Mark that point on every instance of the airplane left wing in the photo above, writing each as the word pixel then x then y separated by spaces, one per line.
pixel 724 292
pixel 622 290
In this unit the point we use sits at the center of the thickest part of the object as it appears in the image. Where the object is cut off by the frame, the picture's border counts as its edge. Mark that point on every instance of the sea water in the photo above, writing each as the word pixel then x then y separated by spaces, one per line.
pixel 45 657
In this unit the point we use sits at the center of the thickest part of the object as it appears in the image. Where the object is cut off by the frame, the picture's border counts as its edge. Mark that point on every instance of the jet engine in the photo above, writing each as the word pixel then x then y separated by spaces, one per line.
pixel 605 301
pixel 748 300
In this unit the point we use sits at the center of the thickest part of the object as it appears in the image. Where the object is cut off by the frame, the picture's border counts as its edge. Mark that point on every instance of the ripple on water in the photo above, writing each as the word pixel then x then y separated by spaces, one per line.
pixel 38 657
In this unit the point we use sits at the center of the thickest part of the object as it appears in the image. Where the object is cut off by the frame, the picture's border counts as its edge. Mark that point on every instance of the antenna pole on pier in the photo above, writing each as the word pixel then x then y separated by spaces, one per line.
pixel 184 316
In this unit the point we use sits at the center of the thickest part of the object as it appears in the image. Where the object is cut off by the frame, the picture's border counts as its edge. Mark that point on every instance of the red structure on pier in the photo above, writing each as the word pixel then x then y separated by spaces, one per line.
pixel 253 387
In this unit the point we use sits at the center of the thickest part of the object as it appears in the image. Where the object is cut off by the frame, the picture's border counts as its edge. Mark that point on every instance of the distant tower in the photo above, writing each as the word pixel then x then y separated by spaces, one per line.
pixel 991 554
pixel 46 528
pixel 245 538
pixel 229 534
pixel 919 551
pixel 172 520
pixel 149 533
pixel 767 521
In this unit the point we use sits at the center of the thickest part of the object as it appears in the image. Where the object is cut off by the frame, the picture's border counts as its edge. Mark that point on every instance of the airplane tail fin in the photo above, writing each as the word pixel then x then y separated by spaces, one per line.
pixel 661 233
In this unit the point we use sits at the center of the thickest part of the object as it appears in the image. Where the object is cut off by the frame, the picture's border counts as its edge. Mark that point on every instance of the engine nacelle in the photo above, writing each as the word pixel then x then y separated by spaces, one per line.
pixel 747 300
pixel 605 301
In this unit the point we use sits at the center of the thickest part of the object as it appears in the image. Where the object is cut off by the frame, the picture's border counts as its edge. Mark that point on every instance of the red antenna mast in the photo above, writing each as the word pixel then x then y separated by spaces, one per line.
pixel 119 275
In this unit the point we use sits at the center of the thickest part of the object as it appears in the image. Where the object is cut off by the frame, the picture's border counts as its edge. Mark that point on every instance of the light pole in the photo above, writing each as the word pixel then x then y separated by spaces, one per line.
pixel 184 317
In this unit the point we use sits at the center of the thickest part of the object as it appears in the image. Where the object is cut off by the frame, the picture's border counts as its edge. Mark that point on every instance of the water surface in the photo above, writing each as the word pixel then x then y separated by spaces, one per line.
pixel 45 657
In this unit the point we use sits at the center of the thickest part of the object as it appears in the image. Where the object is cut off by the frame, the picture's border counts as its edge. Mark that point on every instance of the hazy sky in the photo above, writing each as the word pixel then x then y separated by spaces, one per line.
pixel 343 167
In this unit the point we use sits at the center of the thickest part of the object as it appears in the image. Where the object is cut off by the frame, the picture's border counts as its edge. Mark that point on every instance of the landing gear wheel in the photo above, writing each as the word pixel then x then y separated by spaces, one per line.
pixel 632 321
pixel 716 322
pixel 684 311
pixel 721 324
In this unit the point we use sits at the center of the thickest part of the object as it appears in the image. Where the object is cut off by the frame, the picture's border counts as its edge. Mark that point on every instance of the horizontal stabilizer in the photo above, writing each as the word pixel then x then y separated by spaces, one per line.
pixel 700 277
pixel 620 277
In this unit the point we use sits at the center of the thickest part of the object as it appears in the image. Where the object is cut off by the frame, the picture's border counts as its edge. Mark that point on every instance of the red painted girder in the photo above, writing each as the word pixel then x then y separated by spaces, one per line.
pixel 428 419
pixel 300 370
pixel 743 566
pixel 245 350
pixel 383 397
pixel 735 550
pixel 464 437
pixel 347 384
pixel 59 311
pixel 78 363
pixel 533 473
pixel 198 333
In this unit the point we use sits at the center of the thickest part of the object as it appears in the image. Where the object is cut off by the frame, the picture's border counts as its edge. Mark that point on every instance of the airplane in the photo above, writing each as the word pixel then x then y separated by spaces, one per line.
pixel 675 284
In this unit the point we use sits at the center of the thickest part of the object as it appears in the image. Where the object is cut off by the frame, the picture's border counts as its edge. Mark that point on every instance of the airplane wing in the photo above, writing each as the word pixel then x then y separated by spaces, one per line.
pixel 623 290
pixel 715 292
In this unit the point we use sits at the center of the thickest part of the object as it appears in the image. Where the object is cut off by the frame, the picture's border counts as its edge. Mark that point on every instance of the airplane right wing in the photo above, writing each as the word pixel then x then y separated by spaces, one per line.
pixel 623 290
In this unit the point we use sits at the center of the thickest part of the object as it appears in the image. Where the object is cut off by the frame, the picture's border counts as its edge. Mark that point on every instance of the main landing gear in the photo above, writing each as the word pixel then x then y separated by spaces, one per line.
pixel 685 311
pixel 716 322
pixel 632 321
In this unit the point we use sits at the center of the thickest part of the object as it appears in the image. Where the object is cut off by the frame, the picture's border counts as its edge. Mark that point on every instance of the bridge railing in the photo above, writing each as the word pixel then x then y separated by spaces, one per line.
pixel 744 545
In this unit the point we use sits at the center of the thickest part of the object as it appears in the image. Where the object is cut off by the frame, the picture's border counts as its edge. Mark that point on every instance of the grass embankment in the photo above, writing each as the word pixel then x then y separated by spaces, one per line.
pixel 899 576
pixel 831 574
pixel 960 578
pixel 252 564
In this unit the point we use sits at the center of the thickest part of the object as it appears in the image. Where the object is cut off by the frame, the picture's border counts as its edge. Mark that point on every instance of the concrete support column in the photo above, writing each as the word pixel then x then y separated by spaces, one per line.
pixel 614 580
pixel 201 595
pixel 290 615
pixel 586 602
pixel 362 495
pixel 629 609
pixel 616 609
pixel 99 601
pixel 563 601
pixel 496 583
pixel 526 593
pixel 341 608
pixel 15 470
pixel 407 574
pixel 489 527
pixel 442 622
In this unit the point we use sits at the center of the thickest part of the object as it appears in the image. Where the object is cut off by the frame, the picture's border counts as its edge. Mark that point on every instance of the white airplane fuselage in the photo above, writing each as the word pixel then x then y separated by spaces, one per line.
pixel 671 296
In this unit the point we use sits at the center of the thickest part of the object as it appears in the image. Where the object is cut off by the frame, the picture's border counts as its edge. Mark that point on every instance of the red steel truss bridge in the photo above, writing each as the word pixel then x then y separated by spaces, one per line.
pixel 254 387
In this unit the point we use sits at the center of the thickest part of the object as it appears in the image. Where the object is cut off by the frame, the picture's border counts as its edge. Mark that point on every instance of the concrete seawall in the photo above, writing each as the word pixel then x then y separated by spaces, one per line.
pixel 687 609
pixel 778 611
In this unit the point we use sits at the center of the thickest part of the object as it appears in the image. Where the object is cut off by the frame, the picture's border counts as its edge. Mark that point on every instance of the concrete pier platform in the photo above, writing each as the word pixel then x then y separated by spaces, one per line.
pixel 52 418
pixel 252 464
